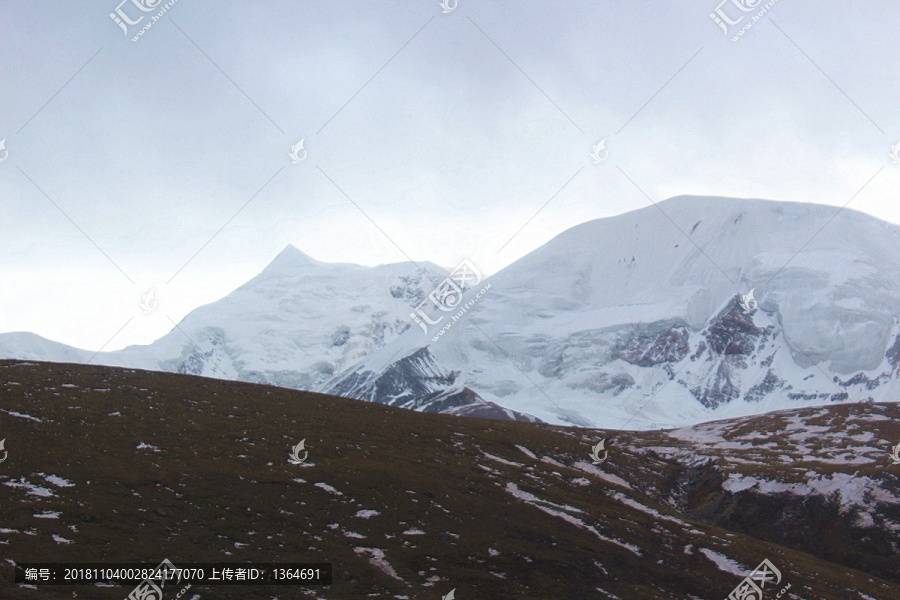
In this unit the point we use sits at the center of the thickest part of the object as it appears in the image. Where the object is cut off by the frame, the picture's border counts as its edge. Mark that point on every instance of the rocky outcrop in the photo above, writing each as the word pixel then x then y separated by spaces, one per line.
pixel 659 343
pixel 417 382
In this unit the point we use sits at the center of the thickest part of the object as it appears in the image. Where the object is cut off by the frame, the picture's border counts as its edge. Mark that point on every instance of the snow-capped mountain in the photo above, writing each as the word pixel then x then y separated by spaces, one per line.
pixel 296 324
pixel 637 320
pixel 634 321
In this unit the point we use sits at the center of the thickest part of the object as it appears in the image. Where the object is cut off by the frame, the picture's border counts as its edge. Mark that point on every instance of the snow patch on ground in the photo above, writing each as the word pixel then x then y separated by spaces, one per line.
pixel 376 558
pixel 646 509
pixel 32 489
pixel 57 481
pixel 848 486
pixel 723 562
pixel 553 462
pixel 538 503
pixel 502 460
pixel 591 469
pixel 13 413
pixel 514 490
pixel 328 488
pixel 527 452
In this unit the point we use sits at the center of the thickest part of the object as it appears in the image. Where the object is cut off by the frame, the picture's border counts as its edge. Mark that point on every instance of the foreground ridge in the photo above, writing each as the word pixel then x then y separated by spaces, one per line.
pixel 142 465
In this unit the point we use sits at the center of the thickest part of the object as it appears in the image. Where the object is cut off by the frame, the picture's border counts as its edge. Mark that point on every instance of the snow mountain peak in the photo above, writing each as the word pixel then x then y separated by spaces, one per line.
pixel 632 321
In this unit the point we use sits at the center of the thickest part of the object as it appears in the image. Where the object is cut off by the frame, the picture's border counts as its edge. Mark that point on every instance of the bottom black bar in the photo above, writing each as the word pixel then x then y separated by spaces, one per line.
pixel 168 575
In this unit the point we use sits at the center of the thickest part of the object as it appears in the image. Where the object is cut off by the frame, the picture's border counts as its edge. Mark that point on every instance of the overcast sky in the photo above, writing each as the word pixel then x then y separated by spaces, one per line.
pixel 429 135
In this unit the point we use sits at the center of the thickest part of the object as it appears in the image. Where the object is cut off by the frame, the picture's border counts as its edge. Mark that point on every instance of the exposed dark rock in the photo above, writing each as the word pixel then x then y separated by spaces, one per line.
pixel 893 355
pixel 733 332
pixel 723 388
pixel 765 387
pixel 340 336
pixel 661 343
pixel 417 382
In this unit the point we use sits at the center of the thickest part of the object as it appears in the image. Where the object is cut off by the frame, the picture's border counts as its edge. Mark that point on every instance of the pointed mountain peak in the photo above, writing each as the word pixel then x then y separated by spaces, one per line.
pixel 293 256
pixel 287 261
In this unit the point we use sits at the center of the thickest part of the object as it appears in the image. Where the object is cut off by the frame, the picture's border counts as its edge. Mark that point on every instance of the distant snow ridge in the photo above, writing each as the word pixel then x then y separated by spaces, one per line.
pixel 628 321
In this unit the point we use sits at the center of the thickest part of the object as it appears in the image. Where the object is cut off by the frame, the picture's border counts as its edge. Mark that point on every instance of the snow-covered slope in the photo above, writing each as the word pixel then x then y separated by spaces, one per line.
pixel 295 324
pixel 632 321
pixel 635 320
pixel 298 322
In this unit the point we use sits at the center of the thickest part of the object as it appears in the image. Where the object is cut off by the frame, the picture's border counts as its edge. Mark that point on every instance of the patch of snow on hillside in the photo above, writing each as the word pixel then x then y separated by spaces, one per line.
pixel 539 503
pixel 13 413
pixel 328 488
pixel 527 452
pixel 57 481
pixel 723 562
pixel 376 558
pixel 646 509
pixel 32 489
pixel 591 469
pixel 502 460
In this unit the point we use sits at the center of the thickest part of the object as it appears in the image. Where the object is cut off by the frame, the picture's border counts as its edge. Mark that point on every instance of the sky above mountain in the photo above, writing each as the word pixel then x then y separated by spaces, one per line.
pixel 428 135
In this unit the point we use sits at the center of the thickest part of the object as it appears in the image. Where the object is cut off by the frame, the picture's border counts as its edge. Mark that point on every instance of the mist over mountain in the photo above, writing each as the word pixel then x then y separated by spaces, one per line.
pixel 632 321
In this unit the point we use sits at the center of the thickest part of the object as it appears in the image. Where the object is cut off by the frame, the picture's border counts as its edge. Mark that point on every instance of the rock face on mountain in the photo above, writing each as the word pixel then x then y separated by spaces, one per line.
pixel 639 320
pixel 418 383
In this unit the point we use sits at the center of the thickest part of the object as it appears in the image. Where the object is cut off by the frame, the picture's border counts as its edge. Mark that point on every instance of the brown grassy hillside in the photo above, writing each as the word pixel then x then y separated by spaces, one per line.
pixel 159 465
